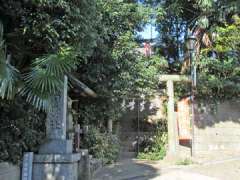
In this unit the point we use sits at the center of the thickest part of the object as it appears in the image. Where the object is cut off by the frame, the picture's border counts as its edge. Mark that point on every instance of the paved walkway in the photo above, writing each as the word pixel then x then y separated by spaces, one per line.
pixel 160 170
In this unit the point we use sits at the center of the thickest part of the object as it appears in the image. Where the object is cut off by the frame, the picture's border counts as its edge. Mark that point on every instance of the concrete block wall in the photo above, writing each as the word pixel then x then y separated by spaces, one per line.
pixel 9 172
pixel 217 128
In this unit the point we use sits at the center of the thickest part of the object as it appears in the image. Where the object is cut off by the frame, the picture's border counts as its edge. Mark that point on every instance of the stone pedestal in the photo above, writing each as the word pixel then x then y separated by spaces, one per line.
pixel 56 167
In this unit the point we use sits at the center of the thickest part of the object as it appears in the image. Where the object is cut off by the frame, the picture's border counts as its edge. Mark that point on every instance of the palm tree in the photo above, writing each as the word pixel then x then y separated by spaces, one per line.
pixel 42 80
pixel 210 16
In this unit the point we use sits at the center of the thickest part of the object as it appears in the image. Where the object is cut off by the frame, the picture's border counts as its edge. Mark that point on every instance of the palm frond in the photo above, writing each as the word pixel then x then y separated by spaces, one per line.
pixel 39 101
pixel 42 82
pixel 57 64
pixel 39 88
pixel 46 78
pixel 9 75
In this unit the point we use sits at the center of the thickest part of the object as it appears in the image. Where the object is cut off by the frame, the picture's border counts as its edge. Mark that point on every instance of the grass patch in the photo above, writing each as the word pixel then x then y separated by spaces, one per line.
pixel 153 156
pixel 184 162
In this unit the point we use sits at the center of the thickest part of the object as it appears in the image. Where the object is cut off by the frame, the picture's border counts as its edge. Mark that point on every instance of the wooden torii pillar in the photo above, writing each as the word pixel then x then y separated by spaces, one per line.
pixel 172 123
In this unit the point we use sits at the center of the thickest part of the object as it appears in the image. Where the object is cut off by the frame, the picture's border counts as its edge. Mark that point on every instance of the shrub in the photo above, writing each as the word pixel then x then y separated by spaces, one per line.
pixel 103 146
pixel 154 148
pixel 22 129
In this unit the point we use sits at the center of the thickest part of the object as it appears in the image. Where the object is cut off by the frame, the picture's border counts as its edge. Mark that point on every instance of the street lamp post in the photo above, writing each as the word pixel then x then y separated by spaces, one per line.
pixel 191 44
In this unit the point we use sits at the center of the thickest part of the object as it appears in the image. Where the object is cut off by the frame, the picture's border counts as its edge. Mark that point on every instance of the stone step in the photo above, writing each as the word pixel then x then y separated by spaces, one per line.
pixel 127 133
pixel 128 143
pixel 126 138
pixel 127 155
pixel 133 135
pixel 127 147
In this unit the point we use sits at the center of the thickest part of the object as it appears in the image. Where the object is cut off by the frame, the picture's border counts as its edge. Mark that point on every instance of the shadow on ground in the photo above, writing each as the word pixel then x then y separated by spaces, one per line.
pixel 127 170
pixel 159 170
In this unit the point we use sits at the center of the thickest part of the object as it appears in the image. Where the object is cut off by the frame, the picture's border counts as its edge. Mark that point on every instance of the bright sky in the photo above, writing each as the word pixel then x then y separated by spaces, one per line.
pixel 146 34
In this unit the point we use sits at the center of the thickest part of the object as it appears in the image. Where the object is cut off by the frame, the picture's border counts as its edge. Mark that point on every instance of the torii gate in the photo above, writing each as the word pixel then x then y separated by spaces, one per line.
pixel 172 123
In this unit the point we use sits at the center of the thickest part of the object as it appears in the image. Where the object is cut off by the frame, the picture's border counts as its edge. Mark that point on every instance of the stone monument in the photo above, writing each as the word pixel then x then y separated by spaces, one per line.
pixel 56 160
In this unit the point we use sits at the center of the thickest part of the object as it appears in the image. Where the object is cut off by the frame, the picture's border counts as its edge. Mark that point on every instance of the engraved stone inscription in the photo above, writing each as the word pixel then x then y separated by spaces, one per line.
pixel 56 118
pixel 55 114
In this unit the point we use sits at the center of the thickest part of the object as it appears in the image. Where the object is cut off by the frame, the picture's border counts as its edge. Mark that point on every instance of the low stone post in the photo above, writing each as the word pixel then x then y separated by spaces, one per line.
pixel 84 168
pixel 27 166
pixel 77 138
pixel 110 125
pixel 70 128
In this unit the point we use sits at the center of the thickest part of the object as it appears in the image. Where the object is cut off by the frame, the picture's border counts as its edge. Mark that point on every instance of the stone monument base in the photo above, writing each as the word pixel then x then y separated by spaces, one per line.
pixel 56 146
pixel 56 166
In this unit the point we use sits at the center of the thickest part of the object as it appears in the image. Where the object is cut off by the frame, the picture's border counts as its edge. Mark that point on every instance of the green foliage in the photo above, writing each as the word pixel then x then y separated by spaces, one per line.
pixel 201 17
pixel 45 40
pixel 8 78
pixel 42 41
pixel 8 74
pixel 154 148
pixel 103 146
pixel 53 38
pixel 95 39
pixel 46 77
pixel 184 162
pixel 116 70
pixel 218 79
pixel 22 129
pixel 205 5
pixel 228 37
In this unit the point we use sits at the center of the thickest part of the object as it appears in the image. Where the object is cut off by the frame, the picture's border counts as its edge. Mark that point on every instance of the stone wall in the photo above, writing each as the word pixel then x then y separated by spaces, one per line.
pixel 217 127
pixel 9 172
pixel 150 110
